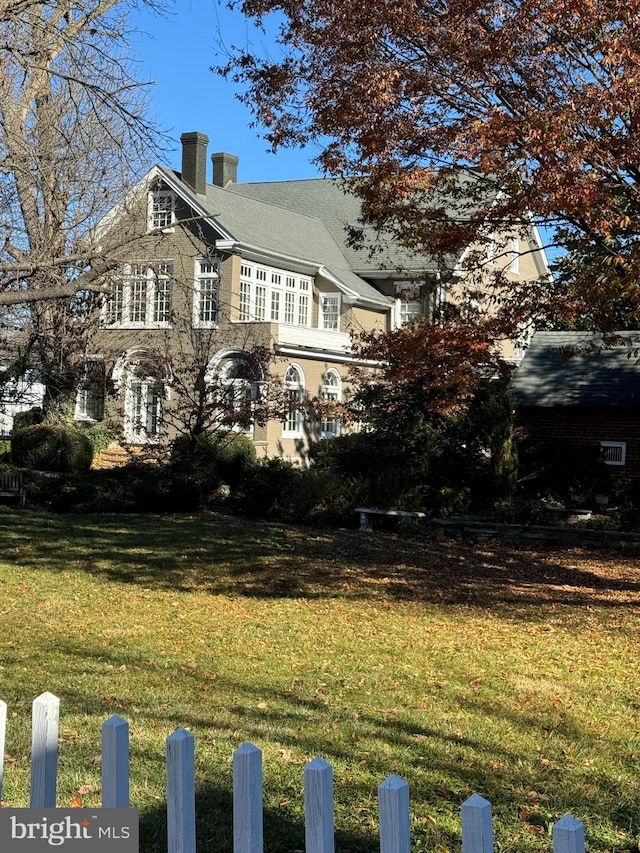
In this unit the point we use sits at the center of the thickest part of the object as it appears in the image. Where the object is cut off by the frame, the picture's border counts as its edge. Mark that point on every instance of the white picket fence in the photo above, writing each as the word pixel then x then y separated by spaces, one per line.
pixel 393 793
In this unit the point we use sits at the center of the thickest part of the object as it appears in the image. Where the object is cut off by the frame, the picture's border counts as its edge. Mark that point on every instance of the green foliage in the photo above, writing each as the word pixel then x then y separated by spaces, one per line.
pixel 439 465
pixel 47 447
pixel 21 420
pixel 132 488
pixel 220 456
pixel 265 489
pixel 99 435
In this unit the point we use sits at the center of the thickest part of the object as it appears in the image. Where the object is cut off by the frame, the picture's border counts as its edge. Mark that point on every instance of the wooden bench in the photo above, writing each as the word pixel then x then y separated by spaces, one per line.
pixel 12 486
pixel 366 512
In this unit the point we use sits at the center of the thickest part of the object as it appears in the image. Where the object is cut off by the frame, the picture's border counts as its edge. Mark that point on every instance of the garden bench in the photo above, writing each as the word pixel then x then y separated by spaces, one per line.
pixel 12 486
pixel 366 512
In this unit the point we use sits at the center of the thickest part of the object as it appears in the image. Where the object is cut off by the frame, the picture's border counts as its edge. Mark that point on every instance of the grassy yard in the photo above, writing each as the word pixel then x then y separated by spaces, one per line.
pixel 461 668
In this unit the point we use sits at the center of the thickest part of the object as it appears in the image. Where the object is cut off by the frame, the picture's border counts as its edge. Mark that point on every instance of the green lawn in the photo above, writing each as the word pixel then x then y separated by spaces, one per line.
pixel 461 668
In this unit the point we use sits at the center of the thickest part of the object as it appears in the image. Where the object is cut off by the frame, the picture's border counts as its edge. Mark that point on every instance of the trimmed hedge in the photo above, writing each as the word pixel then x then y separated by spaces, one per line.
pixel 45 447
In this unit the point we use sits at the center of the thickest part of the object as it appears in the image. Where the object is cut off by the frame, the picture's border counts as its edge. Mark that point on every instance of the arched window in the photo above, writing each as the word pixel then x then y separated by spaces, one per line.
pixel 292 426
pixel 141 374
pixel 237 390
pixel 331 392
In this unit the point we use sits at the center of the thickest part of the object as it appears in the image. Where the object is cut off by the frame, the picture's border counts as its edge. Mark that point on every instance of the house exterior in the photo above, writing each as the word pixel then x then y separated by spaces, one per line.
pixel 221 270
pixel 576 388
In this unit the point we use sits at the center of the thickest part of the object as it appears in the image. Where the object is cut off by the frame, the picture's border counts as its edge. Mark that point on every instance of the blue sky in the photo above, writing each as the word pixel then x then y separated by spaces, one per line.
pixel 176 51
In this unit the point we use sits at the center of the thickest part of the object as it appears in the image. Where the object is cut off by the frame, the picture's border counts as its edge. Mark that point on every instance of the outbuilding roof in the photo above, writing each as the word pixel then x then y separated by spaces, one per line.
pixel 569 369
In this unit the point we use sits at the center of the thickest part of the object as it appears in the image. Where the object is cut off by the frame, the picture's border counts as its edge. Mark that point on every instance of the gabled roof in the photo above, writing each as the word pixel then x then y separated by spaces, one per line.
pixel 282 232
pixel 569 369
pixel 273 233
pixel 330 201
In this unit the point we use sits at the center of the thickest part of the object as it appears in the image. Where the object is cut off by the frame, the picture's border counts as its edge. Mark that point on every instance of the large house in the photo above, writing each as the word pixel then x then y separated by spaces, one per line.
pixel 221 270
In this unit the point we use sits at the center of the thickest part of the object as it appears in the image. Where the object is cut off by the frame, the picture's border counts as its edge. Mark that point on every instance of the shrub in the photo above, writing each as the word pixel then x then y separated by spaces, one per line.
pixel 132 488
pixel 99 435
pixel 216 456
pixel 21 420
pixel 265 490
pixel 568 472
pixel 47 447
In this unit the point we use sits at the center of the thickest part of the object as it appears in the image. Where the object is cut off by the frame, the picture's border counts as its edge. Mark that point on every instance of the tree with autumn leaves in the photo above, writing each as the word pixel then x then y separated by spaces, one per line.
pixel 541 98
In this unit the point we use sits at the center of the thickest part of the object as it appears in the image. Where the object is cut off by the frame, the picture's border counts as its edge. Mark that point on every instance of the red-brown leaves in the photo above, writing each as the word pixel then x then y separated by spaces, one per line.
pixel 540 94
pixel 427 369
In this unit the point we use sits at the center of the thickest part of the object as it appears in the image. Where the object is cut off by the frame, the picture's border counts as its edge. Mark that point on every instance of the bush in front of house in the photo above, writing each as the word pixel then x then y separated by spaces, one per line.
pixel 140 488
pixel 215 457
pixel 571 474
pixel 266 489
pixel 21 420
pixel 52 447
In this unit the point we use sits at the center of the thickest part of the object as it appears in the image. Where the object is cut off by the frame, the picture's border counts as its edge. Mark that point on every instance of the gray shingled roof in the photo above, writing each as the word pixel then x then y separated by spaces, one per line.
pixel 307 220
pixel 563 369
pixel 328 200
pixel 285 232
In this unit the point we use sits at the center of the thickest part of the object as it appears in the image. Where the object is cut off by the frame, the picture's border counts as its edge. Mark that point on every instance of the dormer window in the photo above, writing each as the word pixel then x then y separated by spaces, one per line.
pixel 161 211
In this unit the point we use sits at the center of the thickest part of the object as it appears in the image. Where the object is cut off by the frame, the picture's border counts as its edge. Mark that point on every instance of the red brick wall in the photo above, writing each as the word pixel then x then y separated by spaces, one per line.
pixel 586 426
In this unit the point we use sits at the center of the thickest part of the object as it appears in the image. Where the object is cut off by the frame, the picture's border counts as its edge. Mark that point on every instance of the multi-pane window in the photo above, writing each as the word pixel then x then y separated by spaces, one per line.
pixel 161 209
pixel 294 396
pixel 142 297
pixel 330 311
pixel 90 393
pixel 408 304
pixel 207 307
pixel 290 303
pixel 269 295
pixel 143 410
pixel 331 392
pixel 236 391
pixel 276 296
pixel 303 304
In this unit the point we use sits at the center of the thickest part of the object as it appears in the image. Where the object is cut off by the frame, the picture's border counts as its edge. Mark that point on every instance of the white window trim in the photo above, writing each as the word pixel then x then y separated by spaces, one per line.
pixel 135 432
pixel 514 252
pixel 198 277
pixel 126 279
pixel 619 445
pixel 322 314
pixel 274 280
pixel 331 392
pixel 80 413
pixel 300 387
pixel 252 386
pixel 413 290
pixel 152 195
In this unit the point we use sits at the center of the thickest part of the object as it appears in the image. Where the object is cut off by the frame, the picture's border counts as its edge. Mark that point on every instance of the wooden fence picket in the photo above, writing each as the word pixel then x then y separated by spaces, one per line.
pixel 477 825
pixel 181 794
pixel 393 809
pixel 568 835
pixel 115 763
pixel 318 807
pixel 3 728
pixel 248 832
pixel 247 800
pixel 44 751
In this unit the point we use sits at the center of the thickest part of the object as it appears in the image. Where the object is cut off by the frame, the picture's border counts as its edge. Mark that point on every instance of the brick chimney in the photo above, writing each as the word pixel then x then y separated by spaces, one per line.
pixel 194 161
pixel 225 169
